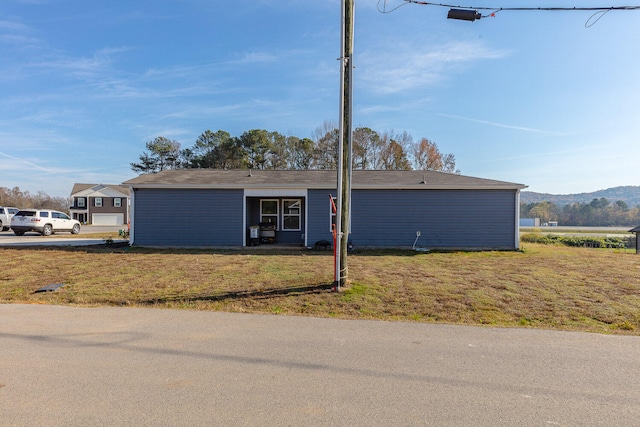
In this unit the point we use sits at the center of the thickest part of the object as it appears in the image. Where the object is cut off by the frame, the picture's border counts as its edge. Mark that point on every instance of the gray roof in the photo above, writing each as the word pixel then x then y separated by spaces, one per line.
pixel 309 179
pixel 81 187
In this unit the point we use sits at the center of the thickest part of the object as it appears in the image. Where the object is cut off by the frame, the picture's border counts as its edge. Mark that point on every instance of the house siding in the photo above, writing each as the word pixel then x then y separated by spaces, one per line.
pixel 182 217
pixel 108 207
pixel 318 215
pixel 445 218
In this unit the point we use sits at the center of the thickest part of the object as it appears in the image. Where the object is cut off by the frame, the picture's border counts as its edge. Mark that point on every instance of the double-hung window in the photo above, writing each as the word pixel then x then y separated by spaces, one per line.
pixel 291 209
pixel 117 202
pixel 269 211
pixel 98 202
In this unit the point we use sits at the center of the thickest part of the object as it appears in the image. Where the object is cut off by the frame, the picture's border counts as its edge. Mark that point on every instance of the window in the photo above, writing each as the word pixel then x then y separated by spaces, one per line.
pixel 269 212
pixel 80 202
pixel 98 202
pixel 59 215
pixel 44 214
pixel 332 212
pixel 291 214
pixel 117 202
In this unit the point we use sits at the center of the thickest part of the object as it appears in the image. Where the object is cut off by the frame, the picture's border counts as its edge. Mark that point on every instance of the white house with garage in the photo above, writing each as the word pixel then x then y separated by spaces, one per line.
pixel 100 204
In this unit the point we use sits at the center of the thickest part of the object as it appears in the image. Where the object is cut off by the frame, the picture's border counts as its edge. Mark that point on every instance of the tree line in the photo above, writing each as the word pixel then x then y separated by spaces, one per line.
pixel 599 212
pixel 261 149
pixel 15 197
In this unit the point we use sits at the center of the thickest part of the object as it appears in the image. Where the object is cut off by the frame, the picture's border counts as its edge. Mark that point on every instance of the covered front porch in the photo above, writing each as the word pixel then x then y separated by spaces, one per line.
pixel 275 217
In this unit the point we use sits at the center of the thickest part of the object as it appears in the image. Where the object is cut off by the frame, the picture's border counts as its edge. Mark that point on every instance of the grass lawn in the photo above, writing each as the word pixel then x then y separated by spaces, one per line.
pixel 542 286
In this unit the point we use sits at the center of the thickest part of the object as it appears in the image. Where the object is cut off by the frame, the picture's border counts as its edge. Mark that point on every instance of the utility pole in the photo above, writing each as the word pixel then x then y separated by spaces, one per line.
pixel 344 143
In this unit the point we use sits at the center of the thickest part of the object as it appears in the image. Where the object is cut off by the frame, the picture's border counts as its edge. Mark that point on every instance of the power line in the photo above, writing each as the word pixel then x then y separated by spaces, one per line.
pixel 550 9
pixel 470 13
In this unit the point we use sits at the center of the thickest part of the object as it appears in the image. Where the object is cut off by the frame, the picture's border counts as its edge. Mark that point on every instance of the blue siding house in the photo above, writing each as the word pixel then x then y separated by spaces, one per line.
pixel 221 208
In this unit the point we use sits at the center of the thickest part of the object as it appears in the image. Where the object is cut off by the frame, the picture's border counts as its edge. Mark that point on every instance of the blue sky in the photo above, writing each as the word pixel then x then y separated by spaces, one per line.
pixel 528 97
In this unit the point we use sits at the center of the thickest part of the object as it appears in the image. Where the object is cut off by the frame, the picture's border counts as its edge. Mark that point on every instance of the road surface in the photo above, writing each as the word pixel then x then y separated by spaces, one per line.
pixel 147 367
pixel 8 238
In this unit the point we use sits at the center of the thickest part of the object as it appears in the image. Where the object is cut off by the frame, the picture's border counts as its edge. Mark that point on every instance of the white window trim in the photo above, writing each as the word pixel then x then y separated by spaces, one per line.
pixel 117 202
pixel 81 202
pixel 285 214
pixel 276 215
pixel 332 214
pixel 95 202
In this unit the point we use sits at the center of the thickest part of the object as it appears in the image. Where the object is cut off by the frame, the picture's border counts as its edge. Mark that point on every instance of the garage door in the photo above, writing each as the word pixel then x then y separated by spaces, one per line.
pixel 107 219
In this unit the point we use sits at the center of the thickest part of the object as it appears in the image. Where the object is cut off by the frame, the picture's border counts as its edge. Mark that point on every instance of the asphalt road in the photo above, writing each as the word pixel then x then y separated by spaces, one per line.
pixel 147 367
pixel 8 238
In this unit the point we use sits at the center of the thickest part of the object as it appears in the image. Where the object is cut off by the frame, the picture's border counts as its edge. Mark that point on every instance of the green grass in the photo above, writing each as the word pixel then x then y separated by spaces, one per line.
pixel 542 286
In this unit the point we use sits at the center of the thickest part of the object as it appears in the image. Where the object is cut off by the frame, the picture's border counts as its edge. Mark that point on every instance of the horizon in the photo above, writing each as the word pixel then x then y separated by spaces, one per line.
pixel 538 98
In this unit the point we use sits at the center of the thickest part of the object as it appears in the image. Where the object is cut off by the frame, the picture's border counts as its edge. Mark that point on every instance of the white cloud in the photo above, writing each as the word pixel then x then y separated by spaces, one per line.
pixel 403 67
pixel 505 126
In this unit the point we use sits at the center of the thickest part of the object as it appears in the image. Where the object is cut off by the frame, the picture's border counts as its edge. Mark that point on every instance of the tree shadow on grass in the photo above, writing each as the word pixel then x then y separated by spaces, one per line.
pixel 262 294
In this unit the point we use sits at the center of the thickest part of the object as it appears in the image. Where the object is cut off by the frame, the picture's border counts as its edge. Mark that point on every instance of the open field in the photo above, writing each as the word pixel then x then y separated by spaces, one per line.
pixel 542 286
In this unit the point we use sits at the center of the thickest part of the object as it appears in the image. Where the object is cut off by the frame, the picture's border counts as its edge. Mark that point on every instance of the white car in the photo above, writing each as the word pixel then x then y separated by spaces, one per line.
pixel 5 217
pixel 43 221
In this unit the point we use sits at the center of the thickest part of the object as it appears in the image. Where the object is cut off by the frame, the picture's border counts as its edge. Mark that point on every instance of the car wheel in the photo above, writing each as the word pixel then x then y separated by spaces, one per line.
pixel 47 230
pixel 75 229
pixel 18 233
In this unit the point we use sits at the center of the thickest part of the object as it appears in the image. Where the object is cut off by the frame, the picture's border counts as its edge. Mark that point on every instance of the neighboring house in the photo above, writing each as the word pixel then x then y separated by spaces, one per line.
pixel 100 204
pixel 210 207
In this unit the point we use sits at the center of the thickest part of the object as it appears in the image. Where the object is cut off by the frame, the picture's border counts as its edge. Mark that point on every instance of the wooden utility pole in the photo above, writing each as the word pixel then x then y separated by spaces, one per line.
pixel 344 143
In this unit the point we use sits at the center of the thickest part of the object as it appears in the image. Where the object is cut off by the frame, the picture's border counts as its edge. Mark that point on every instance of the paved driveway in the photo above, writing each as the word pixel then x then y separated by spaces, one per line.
pixel 124 366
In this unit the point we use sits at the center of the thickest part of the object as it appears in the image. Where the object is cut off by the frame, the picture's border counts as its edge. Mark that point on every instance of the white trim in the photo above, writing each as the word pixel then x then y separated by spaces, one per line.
pixel 97 192
pixel 130 215
pixel 517 220
pixel 287 190
pixel 306 221
pixel 331 213
pixel 276 215
pixel 299 214
pixel 275 192
pixel 244 221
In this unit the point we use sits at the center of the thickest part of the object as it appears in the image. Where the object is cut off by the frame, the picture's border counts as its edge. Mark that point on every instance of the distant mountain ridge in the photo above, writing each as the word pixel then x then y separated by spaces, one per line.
pixel 629 194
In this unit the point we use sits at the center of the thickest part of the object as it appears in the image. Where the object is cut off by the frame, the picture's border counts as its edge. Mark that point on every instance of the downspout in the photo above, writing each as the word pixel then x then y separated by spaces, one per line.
pixel 517 221
pixel 131 213
pixel 244 215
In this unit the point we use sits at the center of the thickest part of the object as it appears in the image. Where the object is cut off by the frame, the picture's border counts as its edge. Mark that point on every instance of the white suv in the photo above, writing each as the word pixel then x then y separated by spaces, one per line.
pixel 43 221
pixel 5 217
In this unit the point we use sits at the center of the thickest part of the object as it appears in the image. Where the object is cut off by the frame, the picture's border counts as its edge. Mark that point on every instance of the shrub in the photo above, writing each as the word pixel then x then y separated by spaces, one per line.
pixel 579 241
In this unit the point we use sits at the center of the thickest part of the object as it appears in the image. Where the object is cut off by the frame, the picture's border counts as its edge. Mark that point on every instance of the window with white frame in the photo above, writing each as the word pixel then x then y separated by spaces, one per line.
pixel 80 202
pixel 332 213
pixel 117 202
pixel 98 202
pixel 269 211
pixel 291 211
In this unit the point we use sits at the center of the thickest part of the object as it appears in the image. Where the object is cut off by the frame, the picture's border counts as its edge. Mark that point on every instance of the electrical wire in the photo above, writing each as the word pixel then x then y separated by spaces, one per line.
pixel 551 9
pixel 599 10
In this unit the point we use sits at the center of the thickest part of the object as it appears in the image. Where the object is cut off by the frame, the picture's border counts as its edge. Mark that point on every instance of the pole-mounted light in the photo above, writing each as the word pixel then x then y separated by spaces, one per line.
pixel 463 14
